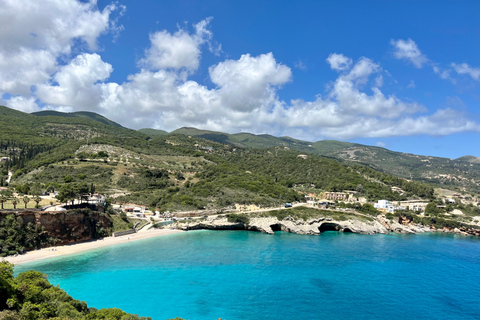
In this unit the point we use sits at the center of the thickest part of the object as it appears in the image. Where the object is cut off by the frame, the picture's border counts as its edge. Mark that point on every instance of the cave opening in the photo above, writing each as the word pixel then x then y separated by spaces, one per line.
pixel 328 226
pixel 276 227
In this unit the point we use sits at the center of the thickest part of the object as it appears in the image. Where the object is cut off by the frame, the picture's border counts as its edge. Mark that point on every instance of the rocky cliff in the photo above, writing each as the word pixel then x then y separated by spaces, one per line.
pixel 316 226
pixel 68 226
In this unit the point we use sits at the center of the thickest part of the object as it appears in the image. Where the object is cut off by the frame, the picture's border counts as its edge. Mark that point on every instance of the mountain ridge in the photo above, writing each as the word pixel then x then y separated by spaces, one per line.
pixel 78 114
pixel 462 173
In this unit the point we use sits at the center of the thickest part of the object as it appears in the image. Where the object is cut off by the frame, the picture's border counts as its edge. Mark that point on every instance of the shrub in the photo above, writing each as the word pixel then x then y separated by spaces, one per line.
pixel 238 218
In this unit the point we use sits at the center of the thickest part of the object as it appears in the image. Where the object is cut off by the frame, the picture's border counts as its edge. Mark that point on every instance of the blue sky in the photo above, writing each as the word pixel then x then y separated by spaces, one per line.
pixel 404 75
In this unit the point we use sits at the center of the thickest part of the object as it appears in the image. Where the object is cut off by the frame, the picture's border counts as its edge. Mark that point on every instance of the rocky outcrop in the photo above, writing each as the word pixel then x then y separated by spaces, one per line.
pixel 272 224
pixel 403 225
pixel 68 226
pixel 269 225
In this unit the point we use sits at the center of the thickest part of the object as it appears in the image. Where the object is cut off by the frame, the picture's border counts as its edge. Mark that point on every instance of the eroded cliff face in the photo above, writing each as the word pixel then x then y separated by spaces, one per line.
pixel 316 226
pixel 312 226
pixel 68 226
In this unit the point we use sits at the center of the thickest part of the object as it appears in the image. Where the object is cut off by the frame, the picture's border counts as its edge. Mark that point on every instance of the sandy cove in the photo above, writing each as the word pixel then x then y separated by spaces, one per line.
pixel 47 253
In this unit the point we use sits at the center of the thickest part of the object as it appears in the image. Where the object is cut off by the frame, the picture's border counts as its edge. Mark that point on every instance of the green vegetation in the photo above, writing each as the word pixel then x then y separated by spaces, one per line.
pixel 178 171
pixel 153 132
pixel 365 208
pixel 15 236
pixel 458 173
pixel 79 114
pixel 30 296
pixel 238 218
pixel 122 223
pixel 306 214
pixel 438 221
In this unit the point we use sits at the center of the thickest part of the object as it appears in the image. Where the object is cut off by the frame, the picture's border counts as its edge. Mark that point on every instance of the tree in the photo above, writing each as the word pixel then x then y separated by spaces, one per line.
pixel 26 200
pixel 23 188
pixel 7 283
pixel 432 209
pixel 179 176
pixel 102 154
pixel 66 193
pixel 3 199
pixel 37 200
pixel 15 202
pixel 81 191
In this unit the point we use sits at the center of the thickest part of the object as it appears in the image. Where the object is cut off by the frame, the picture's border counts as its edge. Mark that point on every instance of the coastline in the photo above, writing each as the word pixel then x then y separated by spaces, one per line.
pixel 47 253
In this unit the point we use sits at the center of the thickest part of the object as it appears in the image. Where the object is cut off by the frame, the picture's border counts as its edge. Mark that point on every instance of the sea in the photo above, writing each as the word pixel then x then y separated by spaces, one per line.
pixel 249 275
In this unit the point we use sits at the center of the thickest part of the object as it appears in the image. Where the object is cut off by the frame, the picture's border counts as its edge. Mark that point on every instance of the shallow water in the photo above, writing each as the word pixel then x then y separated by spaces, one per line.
pixel 249 275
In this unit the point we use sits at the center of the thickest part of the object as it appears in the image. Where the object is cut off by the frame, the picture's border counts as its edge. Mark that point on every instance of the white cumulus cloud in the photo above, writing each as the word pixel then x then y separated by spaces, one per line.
pixel 34 34
pixel 180 49
pixel 242 94
pixel 339 62
pixel 249 82
pixel 408 50
pixel 77 83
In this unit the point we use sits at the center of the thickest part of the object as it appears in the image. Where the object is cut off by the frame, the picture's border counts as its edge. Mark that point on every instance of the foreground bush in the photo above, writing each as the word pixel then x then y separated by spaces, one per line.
pixel 30 296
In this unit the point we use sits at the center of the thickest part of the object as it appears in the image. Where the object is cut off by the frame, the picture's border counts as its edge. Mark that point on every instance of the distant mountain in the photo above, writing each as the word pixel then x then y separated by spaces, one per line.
pixel 247 140
pixel 463 172
pixel 48 127
pixel 79 114
pixel 470 159
pixel 153 132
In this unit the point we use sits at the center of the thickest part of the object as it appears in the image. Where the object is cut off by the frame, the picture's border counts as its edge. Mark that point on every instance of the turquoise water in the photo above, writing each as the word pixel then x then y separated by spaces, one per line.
pixel 248 275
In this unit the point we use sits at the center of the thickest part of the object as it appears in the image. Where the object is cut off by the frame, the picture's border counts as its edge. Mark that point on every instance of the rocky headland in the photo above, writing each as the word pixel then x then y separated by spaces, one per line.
pixel 315 226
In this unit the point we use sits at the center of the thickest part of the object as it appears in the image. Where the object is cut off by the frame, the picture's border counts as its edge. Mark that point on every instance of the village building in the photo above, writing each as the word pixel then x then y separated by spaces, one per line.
pixel 387 206
pixel 347 195
pixel 341 196
pixel 384 205
pixel 138 212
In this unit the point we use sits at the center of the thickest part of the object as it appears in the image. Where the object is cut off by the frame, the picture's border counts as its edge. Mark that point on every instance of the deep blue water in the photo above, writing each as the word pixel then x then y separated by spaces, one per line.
pixel 248 275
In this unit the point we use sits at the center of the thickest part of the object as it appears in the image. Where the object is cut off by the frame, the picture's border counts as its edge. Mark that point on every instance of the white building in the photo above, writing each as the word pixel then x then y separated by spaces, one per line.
pixel 384 205
pixel 138 212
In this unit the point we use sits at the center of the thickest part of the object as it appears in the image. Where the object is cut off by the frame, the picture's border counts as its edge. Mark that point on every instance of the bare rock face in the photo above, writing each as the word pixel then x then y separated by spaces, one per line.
pixel 361 225
pixel 271 224
pixel 69 227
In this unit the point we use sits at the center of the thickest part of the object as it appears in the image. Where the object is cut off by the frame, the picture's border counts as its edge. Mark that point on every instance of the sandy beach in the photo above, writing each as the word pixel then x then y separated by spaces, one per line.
pixel 53 252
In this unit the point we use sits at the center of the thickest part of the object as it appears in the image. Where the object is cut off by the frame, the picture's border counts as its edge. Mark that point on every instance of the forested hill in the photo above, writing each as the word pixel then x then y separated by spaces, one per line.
pixel 172 171
pixel 48 127
pixel 462 173
pixel 79 114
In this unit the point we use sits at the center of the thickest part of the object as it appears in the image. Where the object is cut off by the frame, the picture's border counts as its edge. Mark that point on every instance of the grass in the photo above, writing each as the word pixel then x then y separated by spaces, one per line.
pixel 30 205
pixel 121 225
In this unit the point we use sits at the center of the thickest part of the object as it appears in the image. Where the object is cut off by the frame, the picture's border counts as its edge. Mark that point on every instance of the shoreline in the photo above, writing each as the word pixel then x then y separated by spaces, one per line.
pixel 70 249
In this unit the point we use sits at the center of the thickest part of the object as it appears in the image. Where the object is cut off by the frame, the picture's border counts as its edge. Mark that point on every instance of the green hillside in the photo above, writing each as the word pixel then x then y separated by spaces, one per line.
pixel 176 171
pixel 153 132
pixel 50 127
pixel 79 114
pixel 246 140
pixel 460 174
